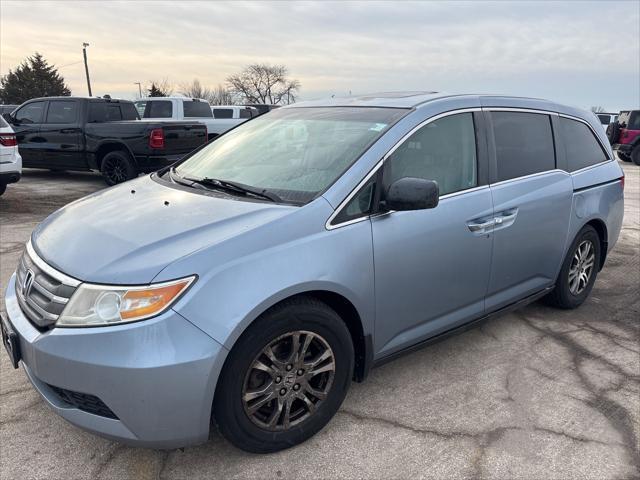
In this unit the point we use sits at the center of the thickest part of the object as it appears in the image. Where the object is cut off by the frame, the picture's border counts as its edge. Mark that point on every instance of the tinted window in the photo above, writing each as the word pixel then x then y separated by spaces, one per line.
pixel 581 145
pixel 158 109
pixel 524 144
pixel 443 150
pixel 31 113
pixel 112 113
pixel 605 119
pixel 3 123
pixel 62 112
pixel 634 121
pixel 140 106
pixel 196 109
pixel 245 113
pixel 222 113
pixel 129 111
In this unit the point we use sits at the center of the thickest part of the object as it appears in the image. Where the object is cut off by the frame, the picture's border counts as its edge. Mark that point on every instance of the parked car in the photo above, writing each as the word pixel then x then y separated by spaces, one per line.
pixel 74 133
pixel 183 108
pixel 262 107
pixel 624 135
pixel 230 116
pixel 606 119
pixel 10 160
pixel 7 108
pixel 250 283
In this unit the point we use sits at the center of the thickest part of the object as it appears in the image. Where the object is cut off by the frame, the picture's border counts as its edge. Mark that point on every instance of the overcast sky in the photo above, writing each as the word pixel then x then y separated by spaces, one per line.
pixel 583 54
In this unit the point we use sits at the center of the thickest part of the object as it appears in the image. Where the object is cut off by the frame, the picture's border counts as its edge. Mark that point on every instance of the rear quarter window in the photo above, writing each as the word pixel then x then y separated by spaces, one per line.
pixel 196 110
pixel 581 146
pixel 524 144
pixel 222 113
pixel 158 109
pixel 129 111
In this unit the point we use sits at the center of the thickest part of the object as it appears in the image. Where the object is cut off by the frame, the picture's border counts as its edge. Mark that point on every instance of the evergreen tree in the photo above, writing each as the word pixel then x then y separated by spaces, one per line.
pixel 33 78
pixel 156 91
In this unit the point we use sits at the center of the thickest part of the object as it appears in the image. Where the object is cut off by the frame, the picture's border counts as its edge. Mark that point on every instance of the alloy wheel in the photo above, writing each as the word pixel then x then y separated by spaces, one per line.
pixel 288 380
pixel 581 267
pixel 116 170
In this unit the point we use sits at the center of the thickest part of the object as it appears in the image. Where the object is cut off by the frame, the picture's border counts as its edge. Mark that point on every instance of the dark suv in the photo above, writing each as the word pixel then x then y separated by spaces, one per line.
pixel 624 135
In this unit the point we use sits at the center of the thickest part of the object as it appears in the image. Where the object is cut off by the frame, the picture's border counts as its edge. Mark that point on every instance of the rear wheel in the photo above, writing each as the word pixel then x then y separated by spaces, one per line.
pixel 624 157
pixel 285 378
pixel 579 271
pixel 117 167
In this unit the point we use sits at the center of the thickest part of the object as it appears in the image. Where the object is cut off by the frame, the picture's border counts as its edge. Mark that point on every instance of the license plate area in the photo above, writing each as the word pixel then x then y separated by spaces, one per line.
pixel 10 341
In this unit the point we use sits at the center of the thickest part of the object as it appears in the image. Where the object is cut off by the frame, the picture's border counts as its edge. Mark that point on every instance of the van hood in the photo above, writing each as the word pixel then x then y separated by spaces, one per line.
pixel 127 234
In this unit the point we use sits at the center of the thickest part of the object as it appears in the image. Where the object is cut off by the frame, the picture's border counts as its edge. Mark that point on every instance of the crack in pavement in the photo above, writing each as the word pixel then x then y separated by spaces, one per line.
pixel 616 415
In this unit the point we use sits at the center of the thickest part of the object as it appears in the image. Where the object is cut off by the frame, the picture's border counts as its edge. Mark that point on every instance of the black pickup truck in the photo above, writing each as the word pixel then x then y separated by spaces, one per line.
pixel 73 133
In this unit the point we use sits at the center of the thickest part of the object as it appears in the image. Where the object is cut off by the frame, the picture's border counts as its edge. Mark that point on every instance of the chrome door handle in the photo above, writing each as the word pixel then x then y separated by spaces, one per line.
pixel 506 217
pixel 481 226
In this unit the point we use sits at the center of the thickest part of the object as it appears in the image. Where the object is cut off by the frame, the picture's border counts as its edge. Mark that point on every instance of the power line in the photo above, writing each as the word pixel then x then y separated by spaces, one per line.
pixel 69 64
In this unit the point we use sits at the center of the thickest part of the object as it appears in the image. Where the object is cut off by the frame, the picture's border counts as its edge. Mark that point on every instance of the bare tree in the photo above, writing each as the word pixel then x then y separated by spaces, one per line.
pixel 263 83
pixel 195 90
pixel 221 96
pixel 597 109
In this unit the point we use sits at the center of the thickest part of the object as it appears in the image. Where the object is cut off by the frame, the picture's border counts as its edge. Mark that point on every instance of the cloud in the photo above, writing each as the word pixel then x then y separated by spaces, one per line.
pixel 568 51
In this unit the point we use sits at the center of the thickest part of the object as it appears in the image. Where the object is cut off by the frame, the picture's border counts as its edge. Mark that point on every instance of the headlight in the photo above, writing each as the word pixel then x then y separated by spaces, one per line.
pixel 95 305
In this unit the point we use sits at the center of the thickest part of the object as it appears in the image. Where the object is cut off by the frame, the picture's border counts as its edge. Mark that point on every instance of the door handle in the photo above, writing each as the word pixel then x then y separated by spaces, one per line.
pixel 481 226
pixel 506 217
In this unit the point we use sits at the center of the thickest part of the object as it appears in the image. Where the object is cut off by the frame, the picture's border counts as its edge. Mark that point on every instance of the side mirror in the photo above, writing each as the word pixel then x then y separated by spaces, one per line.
pixel 411 193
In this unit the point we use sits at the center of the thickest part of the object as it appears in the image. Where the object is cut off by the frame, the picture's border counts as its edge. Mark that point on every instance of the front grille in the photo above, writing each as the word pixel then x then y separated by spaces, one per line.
pixel 84 401
pixel 42 291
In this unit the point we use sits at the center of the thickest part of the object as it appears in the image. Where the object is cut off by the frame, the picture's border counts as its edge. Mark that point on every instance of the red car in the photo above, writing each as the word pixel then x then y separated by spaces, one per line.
pixel 624 135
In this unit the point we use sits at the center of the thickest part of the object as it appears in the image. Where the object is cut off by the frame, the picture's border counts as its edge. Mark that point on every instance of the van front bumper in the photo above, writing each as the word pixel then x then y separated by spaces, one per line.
pixel 148 383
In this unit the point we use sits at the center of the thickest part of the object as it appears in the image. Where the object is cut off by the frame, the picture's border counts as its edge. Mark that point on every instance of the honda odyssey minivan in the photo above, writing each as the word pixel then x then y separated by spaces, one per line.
pixel 246 286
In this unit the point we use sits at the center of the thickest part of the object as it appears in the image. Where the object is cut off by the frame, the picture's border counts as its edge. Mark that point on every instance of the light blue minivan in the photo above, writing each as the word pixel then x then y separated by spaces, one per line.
pixel 249 284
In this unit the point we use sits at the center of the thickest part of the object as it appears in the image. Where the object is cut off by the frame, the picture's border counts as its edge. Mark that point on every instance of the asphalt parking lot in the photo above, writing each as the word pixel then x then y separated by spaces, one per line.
pixel 538 393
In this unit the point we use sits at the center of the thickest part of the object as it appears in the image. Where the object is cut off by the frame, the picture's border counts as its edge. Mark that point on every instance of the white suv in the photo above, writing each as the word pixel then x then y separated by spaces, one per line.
pixel 10 159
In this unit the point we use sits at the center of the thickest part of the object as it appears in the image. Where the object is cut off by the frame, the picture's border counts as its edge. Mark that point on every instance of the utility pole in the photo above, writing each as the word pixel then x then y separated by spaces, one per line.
pixel 86 67
pixel 139 88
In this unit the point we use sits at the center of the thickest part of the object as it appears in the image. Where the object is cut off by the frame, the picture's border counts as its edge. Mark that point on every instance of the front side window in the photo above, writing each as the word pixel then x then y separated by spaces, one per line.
pixel 443 150
pixel 158 109
pixel 581 146
pixel 295 153
pixel 62 112
pixel 222 113
pixel 196 109
pixel 31 113
pixel 524 144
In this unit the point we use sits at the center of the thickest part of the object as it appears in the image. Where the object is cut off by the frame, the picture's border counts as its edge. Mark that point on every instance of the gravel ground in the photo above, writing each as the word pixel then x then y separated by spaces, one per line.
pixel 538 393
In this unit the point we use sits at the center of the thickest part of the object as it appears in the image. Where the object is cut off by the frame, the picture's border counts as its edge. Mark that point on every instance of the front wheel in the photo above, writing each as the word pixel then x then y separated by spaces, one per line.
pixel 285 378
pixel 635 155
pixel 117 167
pixel 579 271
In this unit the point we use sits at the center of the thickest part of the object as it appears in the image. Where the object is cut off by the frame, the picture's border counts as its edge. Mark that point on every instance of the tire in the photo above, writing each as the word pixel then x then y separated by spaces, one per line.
pixel 564 294
pixel 117 167
pixel 613 132
pixel 245 424
pixel 624 157
pixel 3 188
pixel 635 155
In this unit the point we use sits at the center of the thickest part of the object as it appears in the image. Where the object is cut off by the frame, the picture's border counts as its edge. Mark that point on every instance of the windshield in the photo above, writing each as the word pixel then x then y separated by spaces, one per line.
pixel 295 153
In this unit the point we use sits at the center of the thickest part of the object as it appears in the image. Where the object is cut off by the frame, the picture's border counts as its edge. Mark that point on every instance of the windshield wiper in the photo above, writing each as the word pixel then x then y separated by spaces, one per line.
pixel 232 187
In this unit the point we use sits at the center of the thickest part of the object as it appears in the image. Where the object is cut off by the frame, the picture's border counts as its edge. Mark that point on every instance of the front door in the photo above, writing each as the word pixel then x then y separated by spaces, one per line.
pixel 432 266
pixel 26 123
pixel 61 136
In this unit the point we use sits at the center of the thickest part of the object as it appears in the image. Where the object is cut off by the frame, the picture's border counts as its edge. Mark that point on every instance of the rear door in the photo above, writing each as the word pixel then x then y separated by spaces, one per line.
pixel 532 204
pixel 28 120
pixel 61 136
